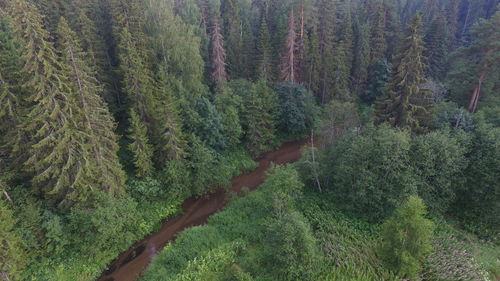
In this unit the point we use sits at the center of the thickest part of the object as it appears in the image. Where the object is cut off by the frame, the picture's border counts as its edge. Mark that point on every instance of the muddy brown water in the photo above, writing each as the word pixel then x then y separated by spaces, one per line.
pixel 196 211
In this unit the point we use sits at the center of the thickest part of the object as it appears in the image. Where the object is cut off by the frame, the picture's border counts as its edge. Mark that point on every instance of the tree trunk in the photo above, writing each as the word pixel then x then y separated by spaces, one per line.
pixel 475 92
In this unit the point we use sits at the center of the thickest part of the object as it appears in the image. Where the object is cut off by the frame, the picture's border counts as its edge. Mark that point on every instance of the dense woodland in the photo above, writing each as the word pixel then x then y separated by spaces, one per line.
pixel 113 112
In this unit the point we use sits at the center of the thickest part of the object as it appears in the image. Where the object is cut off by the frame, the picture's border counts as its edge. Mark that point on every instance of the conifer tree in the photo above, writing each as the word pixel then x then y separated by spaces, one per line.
pixel 248 52
pixel 140 147
pixel 10 91
pixel 289 62
pixel 378 41
pixel 99 142
pixel 407 103
pixel 260 107
pixel 264 69
pixel 326 29
pixel 312 62
pixel 361 59
pixel 218 56
pixel 232 28
pixel 436 46
pixel 52 146
pixel 137 82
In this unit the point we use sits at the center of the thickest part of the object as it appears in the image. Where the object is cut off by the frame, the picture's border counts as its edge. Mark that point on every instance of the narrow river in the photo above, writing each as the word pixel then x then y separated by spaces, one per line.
pixel 129 265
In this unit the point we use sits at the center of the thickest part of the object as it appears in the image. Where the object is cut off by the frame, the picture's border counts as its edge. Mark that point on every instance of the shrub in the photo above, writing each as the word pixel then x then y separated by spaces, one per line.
pixel 406 238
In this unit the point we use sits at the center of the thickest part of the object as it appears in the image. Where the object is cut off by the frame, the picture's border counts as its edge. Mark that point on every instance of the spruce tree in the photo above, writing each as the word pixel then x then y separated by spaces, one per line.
pixel 10 82
pixel 327 38
pixel 361 59
pixel 51 145
pixel 99 142
pixel 407 104
pixel 259 111
pixel 140 147
pixel 378 41
pixel 232 30
pixel 436 46
pixel 264 68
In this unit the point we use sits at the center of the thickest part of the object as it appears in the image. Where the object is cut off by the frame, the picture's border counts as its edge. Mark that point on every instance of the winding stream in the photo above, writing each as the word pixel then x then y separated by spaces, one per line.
pixel 196 211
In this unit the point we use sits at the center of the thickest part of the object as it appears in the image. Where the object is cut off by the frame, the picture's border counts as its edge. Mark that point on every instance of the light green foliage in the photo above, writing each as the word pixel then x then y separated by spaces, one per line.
pixel 407 238
pixel 281 236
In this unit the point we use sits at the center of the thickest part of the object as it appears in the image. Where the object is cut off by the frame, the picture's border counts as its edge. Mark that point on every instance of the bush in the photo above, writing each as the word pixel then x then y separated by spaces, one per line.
pixel 406 238
pixel 369 174
pixel 296 110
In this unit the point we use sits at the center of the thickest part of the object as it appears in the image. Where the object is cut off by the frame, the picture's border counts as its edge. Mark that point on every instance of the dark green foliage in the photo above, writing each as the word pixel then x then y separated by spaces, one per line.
pixel 407 105
pixel 407 238
pixel 369 174
pixel 438 159
pixel 228 105
pixel 260 117
pixel 210 128
pixel 377 82
pixel 296 109
pixel 140 147
pixel 479 192
pixel 436 47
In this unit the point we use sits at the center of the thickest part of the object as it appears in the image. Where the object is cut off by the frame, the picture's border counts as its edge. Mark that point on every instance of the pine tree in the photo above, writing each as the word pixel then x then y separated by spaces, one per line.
pixel 140 147
pixel 218 56
pixel 407 104
pixel 248 53
pixel 264 69
pixel 341 73
pixel 51 146
pixel 100 147
pixel 312 62
pixel 230 12
pixel 289 61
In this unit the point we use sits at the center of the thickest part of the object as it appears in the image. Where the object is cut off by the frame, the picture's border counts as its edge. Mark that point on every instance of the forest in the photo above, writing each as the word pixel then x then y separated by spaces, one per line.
pixel 115 113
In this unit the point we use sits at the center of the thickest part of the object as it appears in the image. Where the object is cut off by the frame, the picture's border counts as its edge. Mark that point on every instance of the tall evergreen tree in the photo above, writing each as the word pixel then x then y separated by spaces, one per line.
pixel 361 59
pixel 259 111
pixel 232 30
pixel 10 90
pixel 264 69
pixel 378 41
pixel 436 46
pixel 52 145
pixel 407 103
pixel 100 147
pixel 326 29
pixel 140 147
